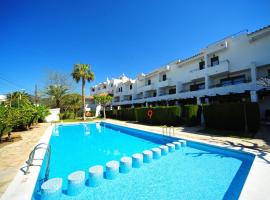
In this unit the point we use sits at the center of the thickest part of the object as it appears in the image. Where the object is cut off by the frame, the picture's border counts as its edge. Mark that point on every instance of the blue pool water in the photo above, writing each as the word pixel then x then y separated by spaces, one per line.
pixel 195 172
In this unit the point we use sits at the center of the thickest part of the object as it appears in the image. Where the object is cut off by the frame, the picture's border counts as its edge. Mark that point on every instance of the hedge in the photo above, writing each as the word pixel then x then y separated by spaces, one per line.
pixel 231 116
pixel 191 115
pixel 162 115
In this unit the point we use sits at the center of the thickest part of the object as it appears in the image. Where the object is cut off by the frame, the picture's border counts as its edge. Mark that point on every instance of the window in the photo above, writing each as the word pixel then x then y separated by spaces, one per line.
pixel 104 86
pixel 164 77
pixel 201 86
pixel 149 82
pixel 154 94
pixel 130 98
pixel 196 87
pixel 201 65
pixel 268 73
pixel 130 86
pixel 172 91
pixel 214 61
pixel 93 89
pixel 120 89
pixel 111 85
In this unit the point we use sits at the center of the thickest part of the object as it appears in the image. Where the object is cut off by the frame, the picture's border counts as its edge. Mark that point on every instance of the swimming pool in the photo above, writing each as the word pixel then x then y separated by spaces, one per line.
pixel 197 171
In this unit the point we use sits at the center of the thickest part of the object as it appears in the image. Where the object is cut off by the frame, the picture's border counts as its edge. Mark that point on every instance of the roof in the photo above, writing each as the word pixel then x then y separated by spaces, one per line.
pixel 258 30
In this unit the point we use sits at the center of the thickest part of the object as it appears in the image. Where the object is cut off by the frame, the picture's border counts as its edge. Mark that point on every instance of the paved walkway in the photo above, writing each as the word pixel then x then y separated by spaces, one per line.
pixel 14 154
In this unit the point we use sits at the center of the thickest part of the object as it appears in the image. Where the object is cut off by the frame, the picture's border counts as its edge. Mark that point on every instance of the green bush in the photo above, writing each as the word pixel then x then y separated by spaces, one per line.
pixel 162 115
pixel 126 114
pixel 253 117
pixel 231 116
pixel 20 118
pixel 191 115
pixel 67 115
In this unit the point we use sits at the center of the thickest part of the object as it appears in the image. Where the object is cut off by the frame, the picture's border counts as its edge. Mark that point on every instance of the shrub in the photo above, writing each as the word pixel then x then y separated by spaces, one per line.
pixel 67 115
pixel 267 115
pixel 162 115
pixel 126 114
pixel 231 116
pixel 191 115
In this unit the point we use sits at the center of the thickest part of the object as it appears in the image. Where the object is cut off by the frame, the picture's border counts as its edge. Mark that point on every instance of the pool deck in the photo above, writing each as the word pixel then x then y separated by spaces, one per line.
pixel 14 154
pixel 256 186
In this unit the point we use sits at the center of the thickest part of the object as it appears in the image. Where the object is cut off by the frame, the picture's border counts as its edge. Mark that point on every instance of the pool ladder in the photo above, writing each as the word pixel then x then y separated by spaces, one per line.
pixel 168 131
pixel 31 158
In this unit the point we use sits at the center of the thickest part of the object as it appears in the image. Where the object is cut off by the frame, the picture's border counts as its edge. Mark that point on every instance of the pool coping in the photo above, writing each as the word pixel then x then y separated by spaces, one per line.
pixel 22 186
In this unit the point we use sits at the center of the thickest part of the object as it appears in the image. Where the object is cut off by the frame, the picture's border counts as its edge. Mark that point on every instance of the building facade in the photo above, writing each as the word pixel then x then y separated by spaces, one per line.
pixel 225 71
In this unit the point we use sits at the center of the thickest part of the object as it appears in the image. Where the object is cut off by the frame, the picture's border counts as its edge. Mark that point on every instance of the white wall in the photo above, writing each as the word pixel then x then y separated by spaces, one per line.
pixel 53 116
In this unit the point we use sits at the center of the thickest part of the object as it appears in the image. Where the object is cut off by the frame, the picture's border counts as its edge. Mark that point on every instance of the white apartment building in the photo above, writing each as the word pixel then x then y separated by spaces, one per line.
pixel 227 70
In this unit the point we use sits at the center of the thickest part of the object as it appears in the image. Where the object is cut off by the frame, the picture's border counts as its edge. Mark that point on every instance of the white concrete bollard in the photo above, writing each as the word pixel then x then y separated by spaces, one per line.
pixel 112 169
pixel 156 153
pixel 171 147
pixel 76 181
pixel 177 145
pixel 147 156
pixel 125 164
pixel 95 175
pixel 164 150
pixel 183 143
pixel 51 189
pixel 137 160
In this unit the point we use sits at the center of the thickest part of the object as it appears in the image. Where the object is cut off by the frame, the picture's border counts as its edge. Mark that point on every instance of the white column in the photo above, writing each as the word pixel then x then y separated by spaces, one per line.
pixel 253 72
pixel 253 96
pixel 158 91
pixel 199 101
pixel 206 77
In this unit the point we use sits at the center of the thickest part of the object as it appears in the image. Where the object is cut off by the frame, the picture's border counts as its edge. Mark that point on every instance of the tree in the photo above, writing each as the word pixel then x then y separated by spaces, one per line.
pixel 82 72
pixel 56 87
pixel 56 92
pixel 103 100
pixel 18 99
pixel 72 102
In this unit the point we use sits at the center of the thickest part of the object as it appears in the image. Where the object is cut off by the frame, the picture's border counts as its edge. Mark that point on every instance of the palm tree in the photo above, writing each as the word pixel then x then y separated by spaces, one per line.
pixel 17 99
pixel 84 73
pixel 56 93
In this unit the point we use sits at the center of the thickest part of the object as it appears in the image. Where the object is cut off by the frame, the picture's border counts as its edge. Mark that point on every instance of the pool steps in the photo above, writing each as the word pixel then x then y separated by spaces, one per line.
pixel 125 164
pixel 147 156
pixel 52 189
pixel 95 175
pixel 137 160
pixel 76 182
pixel 112 169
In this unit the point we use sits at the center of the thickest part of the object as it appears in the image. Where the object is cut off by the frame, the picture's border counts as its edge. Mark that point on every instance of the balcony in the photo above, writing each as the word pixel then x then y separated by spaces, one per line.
pixel 222 67
pixel 222 85
pixel 146 88
pixel 216 46
pixel 232 88
pixel 166 83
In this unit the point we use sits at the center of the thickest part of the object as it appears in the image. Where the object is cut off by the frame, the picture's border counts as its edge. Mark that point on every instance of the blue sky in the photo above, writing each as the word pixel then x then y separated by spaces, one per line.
pixel 114 36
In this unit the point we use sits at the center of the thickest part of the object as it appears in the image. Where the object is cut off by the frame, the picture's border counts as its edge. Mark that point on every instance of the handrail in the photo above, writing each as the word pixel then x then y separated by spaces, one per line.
pixel 31 157
pixel 168 131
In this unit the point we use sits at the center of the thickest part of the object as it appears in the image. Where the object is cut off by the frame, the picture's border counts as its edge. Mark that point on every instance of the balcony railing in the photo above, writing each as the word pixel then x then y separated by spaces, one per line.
pixel 232 83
